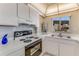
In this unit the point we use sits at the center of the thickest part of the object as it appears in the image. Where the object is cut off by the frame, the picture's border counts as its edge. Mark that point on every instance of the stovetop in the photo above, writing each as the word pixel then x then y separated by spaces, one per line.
pixel 28 39
pixel 23 36
pixel 22 39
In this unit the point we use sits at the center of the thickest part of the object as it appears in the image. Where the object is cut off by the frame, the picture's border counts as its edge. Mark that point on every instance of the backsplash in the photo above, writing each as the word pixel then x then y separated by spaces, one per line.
pixel 6 30
pixel 10 30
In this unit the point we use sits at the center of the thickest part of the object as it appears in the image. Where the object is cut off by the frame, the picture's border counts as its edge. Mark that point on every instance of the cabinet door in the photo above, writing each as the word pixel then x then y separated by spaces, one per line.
pixel 27 13
pixel 44 42
pixel 51 46
pixel 8 14
pixel 33 16
pixel 76 49
pixel 23 11
pixel 67 48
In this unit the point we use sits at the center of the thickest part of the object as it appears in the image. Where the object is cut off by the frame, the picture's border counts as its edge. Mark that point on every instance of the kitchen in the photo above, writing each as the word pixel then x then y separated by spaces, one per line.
pixel 39 29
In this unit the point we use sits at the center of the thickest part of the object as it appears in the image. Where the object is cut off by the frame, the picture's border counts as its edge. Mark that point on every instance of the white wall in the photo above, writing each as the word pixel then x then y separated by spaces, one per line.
pixel 74 22
pixel 49 25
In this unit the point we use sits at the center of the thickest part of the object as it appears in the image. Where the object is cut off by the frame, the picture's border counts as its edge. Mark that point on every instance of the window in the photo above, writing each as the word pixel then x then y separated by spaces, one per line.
pixel 61 23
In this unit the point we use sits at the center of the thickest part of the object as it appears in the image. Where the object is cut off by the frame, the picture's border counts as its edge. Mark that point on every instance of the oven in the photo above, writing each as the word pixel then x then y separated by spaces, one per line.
pixel 34 49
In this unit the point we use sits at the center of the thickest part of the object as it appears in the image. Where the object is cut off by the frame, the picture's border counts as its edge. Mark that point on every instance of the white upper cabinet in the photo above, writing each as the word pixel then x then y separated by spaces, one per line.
pixel 23 11
pixel 8 14
pixel 27 14
pixel 34 17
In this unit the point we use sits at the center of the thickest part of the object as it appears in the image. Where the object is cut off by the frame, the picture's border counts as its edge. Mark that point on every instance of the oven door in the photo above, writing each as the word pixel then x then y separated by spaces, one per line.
pixel 34 49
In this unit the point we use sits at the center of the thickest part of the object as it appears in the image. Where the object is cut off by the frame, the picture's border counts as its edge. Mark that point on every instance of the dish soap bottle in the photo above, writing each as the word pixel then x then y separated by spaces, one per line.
pixel 4 39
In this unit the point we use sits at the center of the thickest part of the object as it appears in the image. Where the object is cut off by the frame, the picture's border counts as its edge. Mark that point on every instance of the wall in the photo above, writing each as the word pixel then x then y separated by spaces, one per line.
pixel 41 21
pixel 74 22
pixel 48 24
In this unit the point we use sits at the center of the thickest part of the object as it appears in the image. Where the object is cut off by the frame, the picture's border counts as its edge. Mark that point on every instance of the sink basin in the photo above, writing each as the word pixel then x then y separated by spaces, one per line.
pixel 52 35
pixel 27 41
pixel 68 37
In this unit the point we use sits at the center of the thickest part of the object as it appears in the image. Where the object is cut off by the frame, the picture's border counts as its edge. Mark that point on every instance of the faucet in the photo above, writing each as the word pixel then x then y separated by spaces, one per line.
pixel 60 35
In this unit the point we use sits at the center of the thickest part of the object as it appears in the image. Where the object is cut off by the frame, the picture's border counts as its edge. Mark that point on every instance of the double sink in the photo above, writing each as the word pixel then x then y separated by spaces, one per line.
pixel 60 35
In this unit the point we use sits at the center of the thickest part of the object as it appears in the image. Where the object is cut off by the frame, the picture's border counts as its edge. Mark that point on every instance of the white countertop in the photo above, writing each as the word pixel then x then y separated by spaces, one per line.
pixel 16 44
pixel 13 45
pixel 74 37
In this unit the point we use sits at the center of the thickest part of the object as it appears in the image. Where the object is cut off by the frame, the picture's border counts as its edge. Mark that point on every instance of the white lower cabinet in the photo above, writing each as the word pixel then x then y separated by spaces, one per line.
pixel 50 46
pixel 67 47
pixel 20 52
pixel 76 50
pixel 61 47
pixel 66 50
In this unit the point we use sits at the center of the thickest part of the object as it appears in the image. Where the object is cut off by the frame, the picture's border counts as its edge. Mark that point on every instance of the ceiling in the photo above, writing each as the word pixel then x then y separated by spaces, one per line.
pixel 51 8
